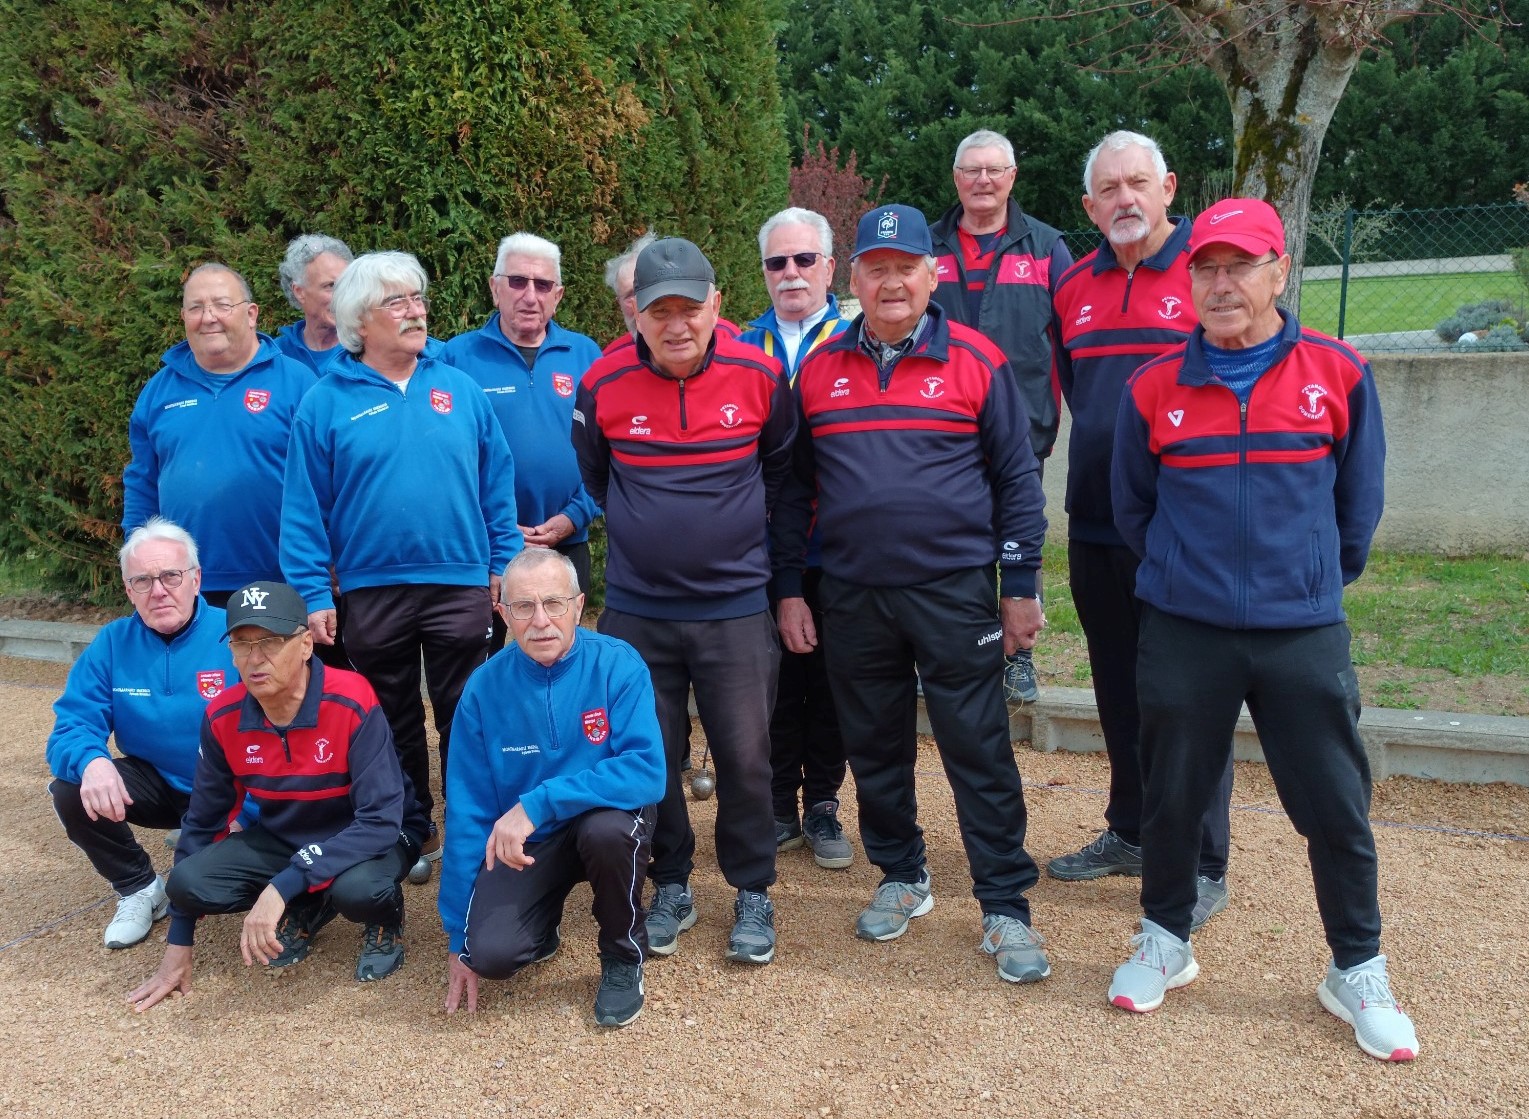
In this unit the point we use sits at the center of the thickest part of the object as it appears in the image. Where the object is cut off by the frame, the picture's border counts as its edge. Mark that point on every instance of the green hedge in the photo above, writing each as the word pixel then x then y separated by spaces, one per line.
pixel 141 138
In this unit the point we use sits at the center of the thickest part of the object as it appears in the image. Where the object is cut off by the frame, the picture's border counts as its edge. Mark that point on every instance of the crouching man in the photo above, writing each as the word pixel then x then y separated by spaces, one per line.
pixel 557 763
pixel 339 825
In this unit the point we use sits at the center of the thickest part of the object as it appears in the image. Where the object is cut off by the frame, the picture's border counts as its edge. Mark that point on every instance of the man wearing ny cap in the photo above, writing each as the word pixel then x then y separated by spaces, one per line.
pixel 339 826
pixel 1248 476
pixel 684 438
pixel 915 443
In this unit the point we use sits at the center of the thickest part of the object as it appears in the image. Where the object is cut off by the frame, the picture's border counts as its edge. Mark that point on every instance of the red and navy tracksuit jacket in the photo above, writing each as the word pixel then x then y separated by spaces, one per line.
pixel 919 472
pixel 1108 322
pixel 329 784
pixel 1256 515
pixel 686 471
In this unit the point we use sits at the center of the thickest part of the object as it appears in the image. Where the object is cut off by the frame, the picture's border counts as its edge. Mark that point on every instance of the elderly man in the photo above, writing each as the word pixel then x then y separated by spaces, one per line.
pixel 210 430
pixel 1124 303
pixel 339 826
pixel 559 763
pixel 308 275
pixel 684 439
pixel 1248 477
pixel 806 750
pixel 529 366
pixel 144 681
pixel 620 277
pixel 400 479
pixel 998 268
pixel 914 440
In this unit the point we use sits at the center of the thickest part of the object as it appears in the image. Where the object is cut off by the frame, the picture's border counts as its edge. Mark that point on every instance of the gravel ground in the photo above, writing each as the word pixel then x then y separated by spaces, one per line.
pixel 835 1027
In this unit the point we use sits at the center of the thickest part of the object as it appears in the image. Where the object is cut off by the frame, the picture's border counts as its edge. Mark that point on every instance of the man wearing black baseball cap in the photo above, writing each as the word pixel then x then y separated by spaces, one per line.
pixel 914 457
pixel 684 439
pixel 339 827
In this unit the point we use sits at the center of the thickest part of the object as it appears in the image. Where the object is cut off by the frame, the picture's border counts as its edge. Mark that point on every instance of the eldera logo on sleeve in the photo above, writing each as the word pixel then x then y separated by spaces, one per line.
pixel 257 400
pixel 440 400
pixel 209 684
pixel 597 727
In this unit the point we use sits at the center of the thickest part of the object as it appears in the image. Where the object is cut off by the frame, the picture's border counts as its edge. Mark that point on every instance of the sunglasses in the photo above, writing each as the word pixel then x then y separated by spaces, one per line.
pixel 778 263
pixel 518 283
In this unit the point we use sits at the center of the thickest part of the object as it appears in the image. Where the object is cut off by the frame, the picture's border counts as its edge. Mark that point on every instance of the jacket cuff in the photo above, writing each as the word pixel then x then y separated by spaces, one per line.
pixel 182 931
pixel 289 883
pixel 1017 582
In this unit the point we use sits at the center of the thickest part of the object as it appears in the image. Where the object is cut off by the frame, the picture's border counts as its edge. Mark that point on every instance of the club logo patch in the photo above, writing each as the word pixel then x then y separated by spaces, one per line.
pixel 1170 307
pixel 209 685
pixel 322 753
pixel 597 727
pixel 257 399
pixel 562 384
pixel 729 415
pixel 1313 409
pixel 440 400
pixel 932 389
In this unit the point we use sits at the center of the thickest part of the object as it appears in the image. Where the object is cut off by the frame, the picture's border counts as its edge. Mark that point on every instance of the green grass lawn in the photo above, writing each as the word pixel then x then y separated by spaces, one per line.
pixel 1389 303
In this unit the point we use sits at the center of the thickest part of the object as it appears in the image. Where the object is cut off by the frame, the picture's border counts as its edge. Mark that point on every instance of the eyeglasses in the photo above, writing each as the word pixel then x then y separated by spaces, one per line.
pixel 398 305
pixel 268 646
pixel 1237 271
pixel 220 308
pixel 972 174
pixel 524 609
pixel 518 283
pixel 169 580
pixel 778 263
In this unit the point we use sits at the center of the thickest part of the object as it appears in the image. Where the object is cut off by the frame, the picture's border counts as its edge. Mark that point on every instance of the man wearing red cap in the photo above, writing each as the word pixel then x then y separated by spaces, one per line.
pixel 1248 476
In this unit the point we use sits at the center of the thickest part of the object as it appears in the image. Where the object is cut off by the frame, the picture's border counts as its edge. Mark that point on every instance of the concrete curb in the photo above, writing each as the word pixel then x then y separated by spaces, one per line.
pixel 1436 745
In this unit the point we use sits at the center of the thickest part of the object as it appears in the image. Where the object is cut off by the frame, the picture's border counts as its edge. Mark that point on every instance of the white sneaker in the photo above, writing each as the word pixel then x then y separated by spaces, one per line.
pixel 1361 996
pixel 136 915
pixel 1160 963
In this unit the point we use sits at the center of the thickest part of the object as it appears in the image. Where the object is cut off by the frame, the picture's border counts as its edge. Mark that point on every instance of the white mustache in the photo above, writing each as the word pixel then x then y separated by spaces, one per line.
pixel 1131 212
pixel 793 285
pixel 411 324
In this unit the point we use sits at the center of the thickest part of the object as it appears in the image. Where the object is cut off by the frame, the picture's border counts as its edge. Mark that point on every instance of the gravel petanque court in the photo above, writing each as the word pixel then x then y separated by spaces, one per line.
pixel 835 1027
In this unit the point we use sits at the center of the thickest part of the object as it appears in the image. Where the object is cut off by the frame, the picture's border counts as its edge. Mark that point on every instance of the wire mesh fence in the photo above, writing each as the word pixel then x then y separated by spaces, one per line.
pixel 1395 279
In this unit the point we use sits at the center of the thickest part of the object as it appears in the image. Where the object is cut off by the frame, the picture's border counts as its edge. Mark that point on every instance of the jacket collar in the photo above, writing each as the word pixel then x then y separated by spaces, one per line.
pixel 252 715
pixel 1195 370
pixel 1160 261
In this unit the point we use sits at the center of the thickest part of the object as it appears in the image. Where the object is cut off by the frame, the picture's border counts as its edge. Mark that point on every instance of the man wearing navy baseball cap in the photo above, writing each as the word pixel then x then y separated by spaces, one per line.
pixel 1248 477
pixel 913 452
pixel 339 827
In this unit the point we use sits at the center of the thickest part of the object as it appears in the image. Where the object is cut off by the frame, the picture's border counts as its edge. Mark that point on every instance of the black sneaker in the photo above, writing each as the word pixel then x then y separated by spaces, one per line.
pixel 1107 854
pixel 619 999
pixel 299 925
pixel 826 835
pixel 381 952
pixel 548 947
pixel 1019 684
pixel 788 833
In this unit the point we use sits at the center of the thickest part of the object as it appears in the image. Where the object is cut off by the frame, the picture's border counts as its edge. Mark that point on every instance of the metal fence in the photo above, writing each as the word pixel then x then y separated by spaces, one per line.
pixel 1390 280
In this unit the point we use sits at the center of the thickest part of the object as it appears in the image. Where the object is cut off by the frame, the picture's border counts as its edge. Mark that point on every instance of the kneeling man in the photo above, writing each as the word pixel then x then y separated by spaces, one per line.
pixel 339 826
pixel 557 765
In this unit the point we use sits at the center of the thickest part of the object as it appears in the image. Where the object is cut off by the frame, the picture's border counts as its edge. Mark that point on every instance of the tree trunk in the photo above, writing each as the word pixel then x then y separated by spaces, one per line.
pixel 1285 66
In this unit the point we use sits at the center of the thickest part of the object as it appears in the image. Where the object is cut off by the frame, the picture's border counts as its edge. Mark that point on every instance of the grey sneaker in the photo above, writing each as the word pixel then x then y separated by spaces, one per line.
pixel 1016 947
pixel 829 847
pixel 1019 684
pixel 671 913
pixel 136 914
pixel 752 940
pixel 1213 896
pixel 619 999
pixel 1361 996
pixel 1160 963
pixel 1106 854
pixel 381 952
pixel 299 925
pixel 788 833
pixel 895 904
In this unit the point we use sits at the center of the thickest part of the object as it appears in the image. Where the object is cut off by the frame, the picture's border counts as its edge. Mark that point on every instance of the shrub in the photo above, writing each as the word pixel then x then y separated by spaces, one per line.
pixel 1475 316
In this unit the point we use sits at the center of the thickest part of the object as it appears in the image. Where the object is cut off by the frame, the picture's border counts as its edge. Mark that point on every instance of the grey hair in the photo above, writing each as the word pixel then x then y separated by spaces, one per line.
pixel 214 266
pixel 795 215
pixel 615 264
pixel 529 558
pixel 303 251
pixel 1119 141
pixel 983 138
pixel 529 244
pixel 158 528
pixel 364 284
